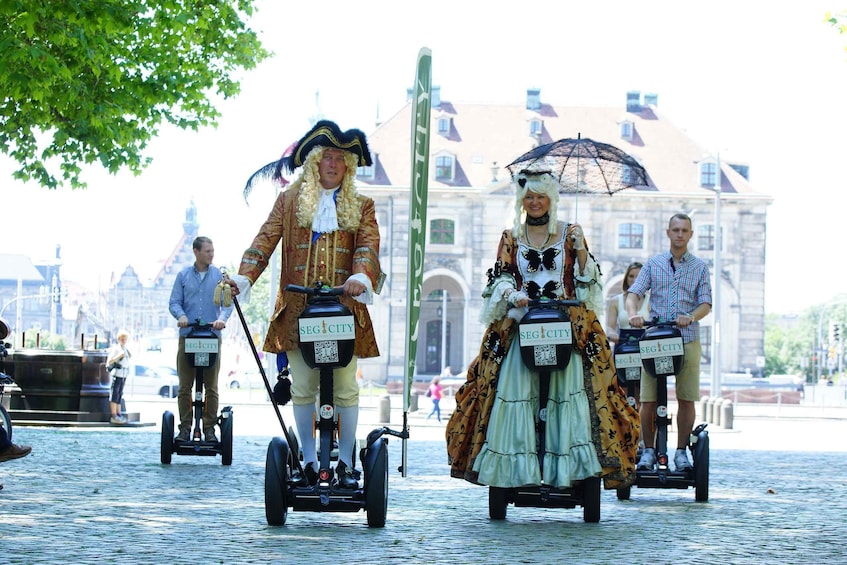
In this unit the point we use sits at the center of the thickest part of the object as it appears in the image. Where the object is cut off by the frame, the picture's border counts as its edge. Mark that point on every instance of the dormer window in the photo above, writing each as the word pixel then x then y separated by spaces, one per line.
pixel 365 172
pixel 708 174
pixel 444 167
pixel 444 126
pixel 627 130
pixel 535 128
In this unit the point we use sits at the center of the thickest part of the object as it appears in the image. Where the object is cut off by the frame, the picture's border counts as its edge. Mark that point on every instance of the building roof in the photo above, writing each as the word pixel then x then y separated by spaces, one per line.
pixel 14 267
pixel 484 138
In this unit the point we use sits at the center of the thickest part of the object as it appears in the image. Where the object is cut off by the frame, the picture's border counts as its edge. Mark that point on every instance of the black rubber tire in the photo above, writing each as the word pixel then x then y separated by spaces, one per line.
pixel 167 437
pixel 701 468
pixel 294 445
pixel 6 422
pixel 226 439
pixel 591 500
pixel 497 503
pixel 276 482
pixel 624 492
pixel 376 487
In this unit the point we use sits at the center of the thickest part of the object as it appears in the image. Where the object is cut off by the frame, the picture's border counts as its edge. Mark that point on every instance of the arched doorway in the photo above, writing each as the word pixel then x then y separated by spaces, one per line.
pixel 442 323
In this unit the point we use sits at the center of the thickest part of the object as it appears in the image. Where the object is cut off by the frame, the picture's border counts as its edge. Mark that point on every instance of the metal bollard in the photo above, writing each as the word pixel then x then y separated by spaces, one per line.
pixel 385 409
pixel 728 414
pixel 717 413
pixel 710 410
pixel 702 406
pixel 413 403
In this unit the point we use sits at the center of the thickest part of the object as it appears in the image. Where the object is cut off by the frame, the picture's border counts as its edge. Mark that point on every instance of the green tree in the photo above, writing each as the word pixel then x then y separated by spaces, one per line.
pixel 87 81
pixel 44 340
pixel 257 311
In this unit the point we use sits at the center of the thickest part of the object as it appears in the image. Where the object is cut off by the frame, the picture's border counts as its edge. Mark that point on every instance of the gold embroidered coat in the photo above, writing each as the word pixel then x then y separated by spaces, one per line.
pixel 330 258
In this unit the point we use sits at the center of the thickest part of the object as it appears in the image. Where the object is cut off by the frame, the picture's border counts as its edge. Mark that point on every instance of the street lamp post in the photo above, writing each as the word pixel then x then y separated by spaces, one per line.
pixel 716 292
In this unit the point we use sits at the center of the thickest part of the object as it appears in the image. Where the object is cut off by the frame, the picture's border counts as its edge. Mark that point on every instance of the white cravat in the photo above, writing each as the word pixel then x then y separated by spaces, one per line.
pixel 326 218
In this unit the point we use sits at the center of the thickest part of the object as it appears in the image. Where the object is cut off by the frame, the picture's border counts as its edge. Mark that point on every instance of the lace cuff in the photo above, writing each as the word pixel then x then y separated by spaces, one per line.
pixel 589 286
pixel 495 300
pixel 366 297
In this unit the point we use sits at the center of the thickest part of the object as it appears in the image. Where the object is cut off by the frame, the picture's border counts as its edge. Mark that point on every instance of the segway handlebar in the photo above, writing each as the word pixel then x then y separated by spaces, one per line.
pixel 553 303
pixel 317 290
pixel 656 323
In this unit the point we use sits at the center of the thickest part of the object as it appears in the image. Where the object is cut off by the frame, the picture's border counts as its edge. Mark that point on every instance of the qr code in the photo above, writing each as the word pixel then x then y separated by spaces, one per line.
pixel 545 355
pixel 664 365
pixel 326 352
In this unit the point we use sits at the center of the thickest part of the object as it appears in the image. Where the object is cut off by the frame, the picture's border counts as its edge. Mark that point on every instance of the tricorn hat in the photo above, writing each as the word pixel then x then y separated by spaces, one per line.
pixel 323 134
pixel 327 134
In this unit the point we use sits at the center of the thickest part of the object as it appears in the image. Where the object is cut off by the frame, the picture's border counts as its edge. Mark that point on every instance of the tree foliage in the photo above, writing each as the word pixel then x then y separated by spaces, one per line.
pixel 790 348
pixel 838 21
pixel 87 81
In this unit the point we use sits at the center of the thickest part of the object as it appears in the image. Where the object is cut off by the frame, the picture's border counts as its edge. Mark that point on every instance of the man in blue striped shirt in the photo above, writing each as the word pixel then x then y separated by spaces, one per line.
pixel 680 291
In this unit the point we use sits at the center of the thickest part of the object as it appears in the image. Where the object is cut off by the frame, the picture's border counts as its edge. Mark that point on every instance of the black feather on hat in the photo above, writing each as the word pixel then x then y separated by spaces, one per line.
pixel 324 134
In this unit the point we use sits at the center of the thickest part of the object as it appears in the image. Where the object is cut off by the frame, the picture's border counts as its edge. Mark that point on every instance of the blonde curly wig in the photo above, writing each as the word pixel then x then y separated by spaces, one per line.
pixel 347 203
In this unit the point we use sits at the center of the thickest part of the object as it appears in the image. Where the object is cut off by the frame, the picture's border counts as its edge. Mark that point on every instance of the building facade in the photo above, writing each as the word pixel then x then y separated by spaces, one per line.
pixel 470 203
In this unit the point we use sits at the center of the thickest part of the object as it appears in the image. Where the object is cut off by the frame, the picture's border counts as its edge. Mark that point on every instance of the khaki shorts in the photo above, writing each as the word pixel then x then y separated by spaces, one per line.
pixel 687 381
pixel 305 382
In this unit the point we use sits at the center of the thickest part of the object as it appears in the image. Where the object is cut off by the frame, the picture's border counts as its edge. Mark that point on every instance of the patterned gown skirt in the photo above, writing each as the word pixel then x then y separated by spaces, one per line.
pixel 509 456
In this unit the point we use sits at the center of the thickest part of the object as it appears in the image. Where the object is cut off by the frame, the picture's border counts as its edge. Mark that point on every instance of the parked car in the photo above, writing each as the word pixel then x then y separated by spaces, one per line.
pixel 150 380
pixel 251 378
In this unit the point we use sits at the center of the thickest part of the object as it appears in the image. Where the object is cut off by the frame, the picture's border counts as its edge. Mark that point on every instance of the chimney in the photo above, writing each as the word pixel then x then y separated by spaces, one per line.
pixel 533 99
pixel 435 102
pixel 651 99
pixel 633 101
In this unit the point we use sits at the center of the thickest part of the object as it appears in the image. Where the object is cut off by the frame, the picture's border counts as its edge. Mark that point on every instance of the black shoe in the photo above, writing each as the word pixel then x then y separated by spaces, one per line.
pixel 346 480
pixel 309 477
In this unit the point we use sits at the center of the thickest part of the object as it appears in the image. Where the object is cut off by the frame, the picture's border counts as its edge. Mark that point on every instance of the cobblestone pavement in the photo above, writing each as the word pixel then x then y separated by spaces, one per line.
pixel 777 491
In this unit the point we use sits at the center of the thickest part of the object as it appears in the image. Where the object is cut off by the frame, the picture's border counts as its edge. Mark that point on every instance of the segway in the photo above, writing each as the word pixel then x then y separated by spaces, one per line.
pixel 327 339
pixel 201 350
pixel 546 341
pixel 628 370
pixel 662 354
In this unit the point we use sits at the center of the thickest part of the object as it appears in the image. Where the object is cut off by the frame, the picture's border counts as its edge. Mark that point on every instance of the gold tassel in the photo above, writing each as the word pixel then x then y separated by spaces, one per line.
pixel 223 292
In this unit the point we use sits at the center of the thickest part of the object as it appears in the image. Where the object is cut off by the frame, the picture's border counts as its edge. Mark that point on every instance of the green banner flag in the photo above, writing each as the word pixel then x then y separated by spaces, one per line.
pixel 417 210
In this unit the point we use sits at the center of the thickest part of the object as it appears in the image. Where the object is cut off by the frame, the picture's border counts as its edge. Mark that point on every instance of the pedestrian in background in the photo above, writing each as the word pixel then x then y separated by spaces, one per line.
pixel 617 318
pixel 435 392
pixel 117 362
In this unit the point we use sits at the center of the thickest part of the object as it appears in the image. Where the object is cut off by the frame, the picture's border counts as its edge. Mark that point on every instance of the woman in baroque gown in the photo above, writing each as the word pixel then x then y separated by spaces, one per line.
pixel 591 430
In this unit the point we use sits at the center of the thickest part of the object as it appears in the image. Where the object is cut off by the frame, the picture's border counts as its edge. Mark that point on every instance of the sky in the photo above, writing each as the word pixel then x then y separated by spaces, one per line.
pixel 762 83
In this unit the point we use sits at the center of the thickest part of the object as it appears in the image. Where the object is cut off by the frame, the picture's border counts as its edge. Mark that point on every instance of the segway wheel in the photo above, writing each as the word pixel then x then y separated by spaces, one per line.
pixel 497 503
pixel 701 468
pixel 226 439
pixel 276 482
pixel 591 500
pixel 376 486
pixel 624 492
pixel 295 445
pixel 167 437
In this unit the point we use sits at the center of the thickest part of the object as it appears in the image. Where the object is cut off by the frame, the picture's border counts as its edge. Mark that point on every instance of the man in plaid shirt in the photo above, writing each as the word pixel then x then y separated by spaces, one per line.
pixel 680 291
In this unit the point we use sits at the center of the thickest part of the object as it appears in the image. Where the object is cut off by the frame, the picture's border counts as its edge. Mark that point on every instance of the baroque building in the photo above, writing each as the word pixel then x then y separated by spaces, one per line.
pixel 470 202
